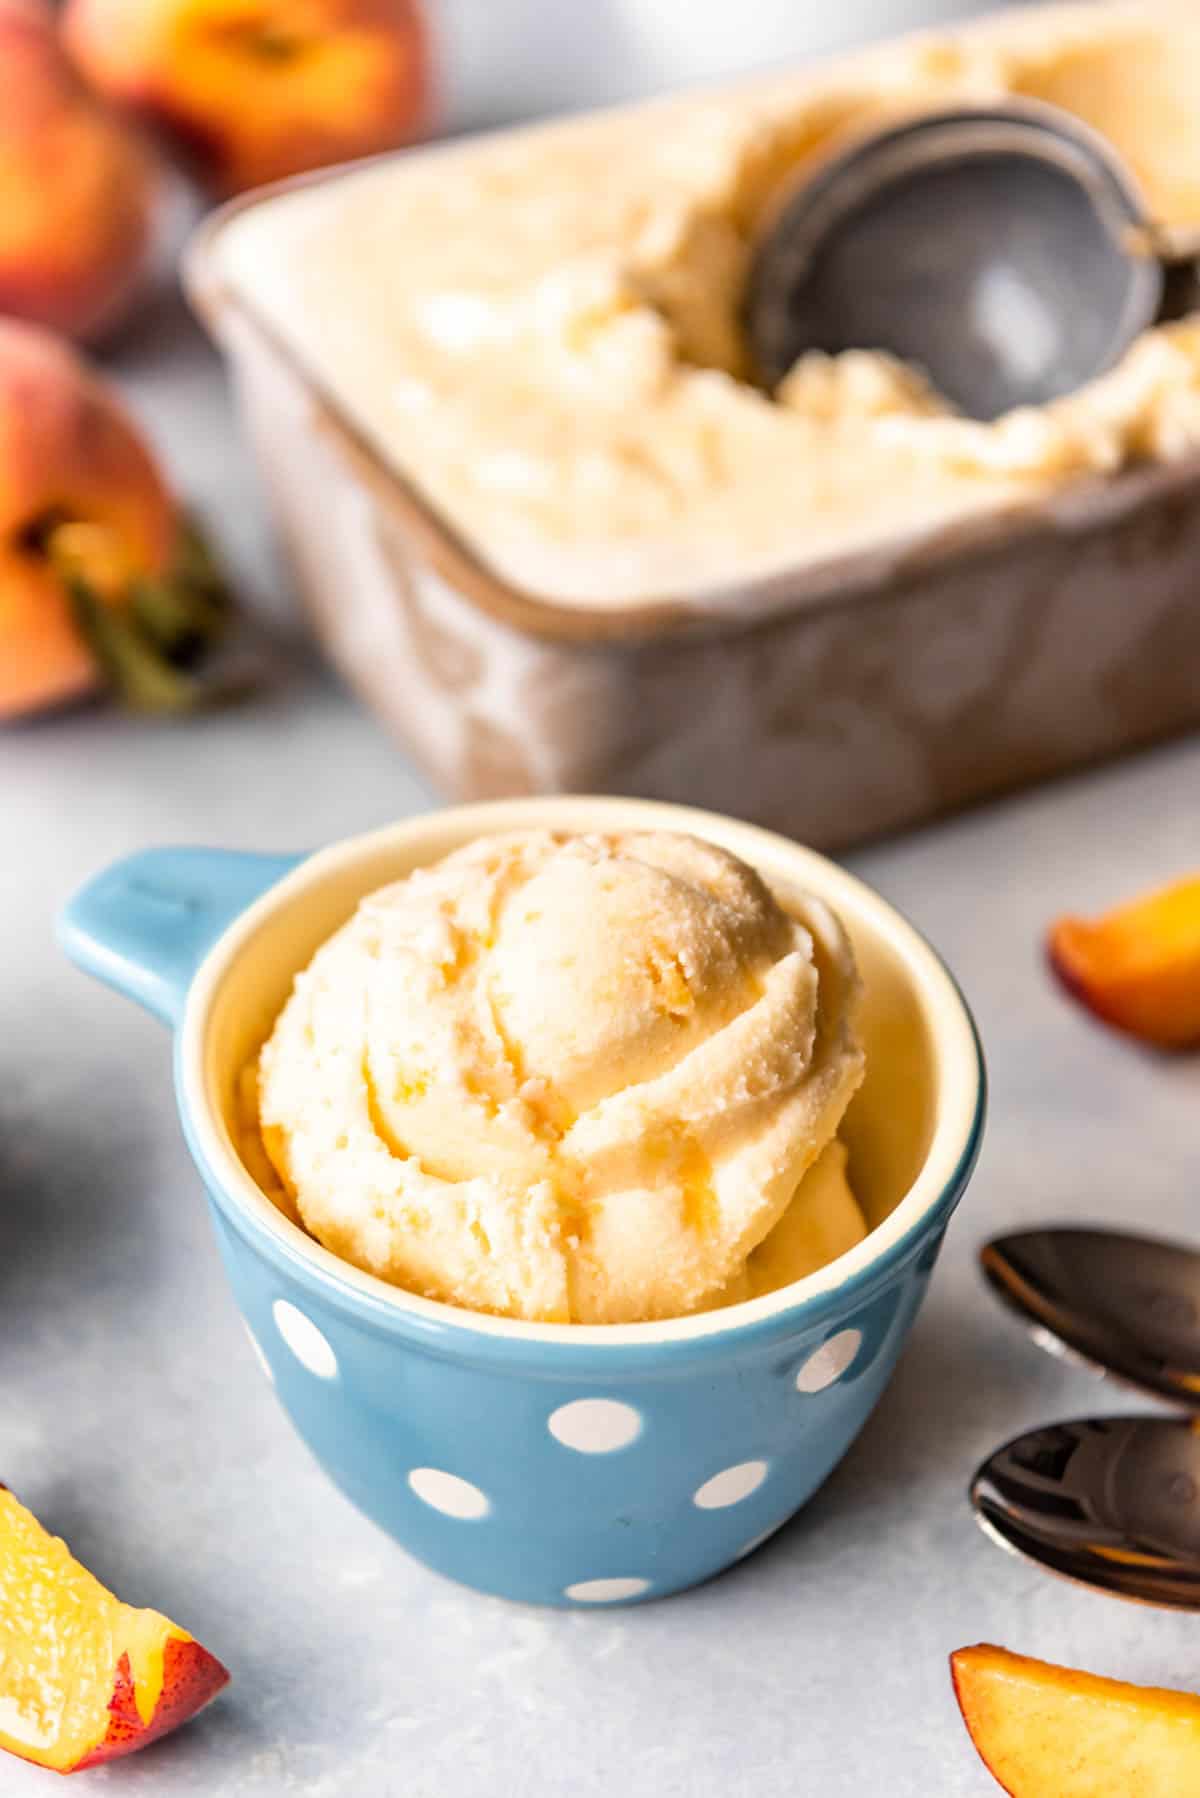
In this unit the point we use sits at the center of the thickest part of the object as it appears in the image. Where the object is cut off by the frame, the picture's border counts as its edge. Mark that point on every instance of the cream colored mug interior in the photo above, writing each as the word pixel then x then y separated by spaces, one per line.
pixel 906 1129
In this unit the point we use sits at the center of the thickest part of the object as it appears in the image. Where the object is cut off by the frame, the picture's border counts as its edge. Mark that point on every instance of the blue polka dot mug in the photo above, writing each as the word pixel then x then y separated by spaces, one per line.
pixel 561 1464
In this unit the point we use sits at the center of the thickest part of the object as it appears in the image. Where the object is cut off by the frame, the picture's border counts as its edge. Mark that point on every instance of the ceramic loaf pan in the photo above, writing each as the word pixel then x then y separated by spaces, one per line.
pixel 833 703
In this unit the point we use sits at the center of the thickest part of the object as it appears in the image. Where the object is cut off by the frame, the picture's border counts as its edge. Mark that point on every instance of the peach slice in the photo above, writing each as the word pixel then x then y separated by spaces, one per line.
pixel 1053 1732
pixel 1138 967
pixel 83 1677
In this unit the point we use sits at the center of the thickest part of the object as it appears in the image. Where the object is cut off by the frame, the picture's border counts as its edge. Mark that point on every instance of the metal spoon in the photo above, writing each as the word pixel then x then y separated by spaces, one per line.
pixel 1111 1502
pixel 1005 250
pixel 1123 1305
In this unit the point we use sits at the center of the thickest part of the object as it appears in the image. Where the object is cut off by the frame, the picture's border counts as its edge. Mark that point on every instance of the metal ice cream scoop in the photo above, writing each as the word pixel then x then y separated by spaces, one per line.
pixel 1005 250
pixel 1123 1305
pixel 1113 1502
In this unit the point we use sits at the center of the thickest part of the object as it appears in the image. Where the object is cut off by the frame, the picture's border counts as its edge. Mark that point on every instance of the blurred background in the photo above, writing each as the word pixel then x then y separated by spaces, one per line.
pixel 509 59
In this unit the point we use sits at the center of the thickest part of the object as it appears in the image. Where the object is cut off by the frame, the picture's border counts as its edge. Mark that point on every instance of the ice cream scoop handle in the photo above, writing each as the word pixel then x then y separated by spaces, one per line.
pixel 145 924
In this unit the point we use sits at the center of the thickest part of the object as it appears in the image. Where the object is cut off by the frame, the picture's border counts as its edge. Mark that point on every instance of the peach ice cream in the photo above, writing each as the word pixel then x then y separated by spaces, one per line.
pixel 546 342
pixel 591 1078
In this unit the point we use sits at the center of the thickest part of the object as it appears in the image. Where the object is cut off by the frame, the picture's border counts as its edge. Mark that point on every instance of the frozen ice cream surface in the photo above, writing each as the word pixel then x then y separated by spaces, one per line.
pixel 821 1223
pixel 542 331
pixel 572 1078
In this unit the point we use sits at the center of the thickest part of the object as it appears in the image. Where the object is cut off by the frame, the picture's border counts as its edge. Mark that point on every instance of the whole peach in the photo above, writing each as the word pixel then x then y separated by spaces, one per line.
pixel 74 472
pixel 259 89
pixel 78 189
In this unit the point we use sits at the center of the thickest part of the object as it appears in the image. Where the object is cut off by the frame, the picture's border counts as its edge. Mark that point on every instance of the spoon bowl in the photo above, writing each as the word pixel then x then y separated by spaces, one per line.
pixel 1124 1306
pixel 1112 1503
pixel 1005 250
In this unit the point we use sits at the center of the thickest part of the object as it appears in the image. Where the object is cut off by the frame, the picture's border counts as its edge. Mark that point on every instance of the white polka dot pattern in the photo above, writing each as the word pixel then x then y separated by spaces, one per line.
pixel 256 1345
pixel 606 1591
pixel 830 1361
pixel 731 1486
pixel 306 1342
pixel 595 1426
pixel 447 1493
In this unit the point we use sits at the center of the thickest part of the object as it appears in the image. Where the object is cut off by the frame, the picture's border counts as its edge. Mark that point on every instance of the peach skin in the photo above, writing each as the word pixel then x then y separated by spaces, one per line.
pixel 1053 1732
pixel 83 1677
pixel 98 578
pixel 259 89
pixel 79 190
pixel 1138 966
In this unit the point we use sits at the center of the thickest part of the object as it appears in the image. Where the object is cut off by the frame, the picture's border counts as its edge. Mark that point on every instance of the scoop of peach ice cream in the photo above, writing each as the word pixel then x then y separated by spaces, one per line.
pixel 823 1221
pixel 564 1077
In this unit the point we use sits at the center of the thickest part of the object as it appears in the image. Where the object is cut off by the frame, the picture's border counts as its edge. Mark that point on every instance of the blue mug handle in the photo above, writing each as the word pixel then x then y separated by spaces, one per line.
pixel 145 924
